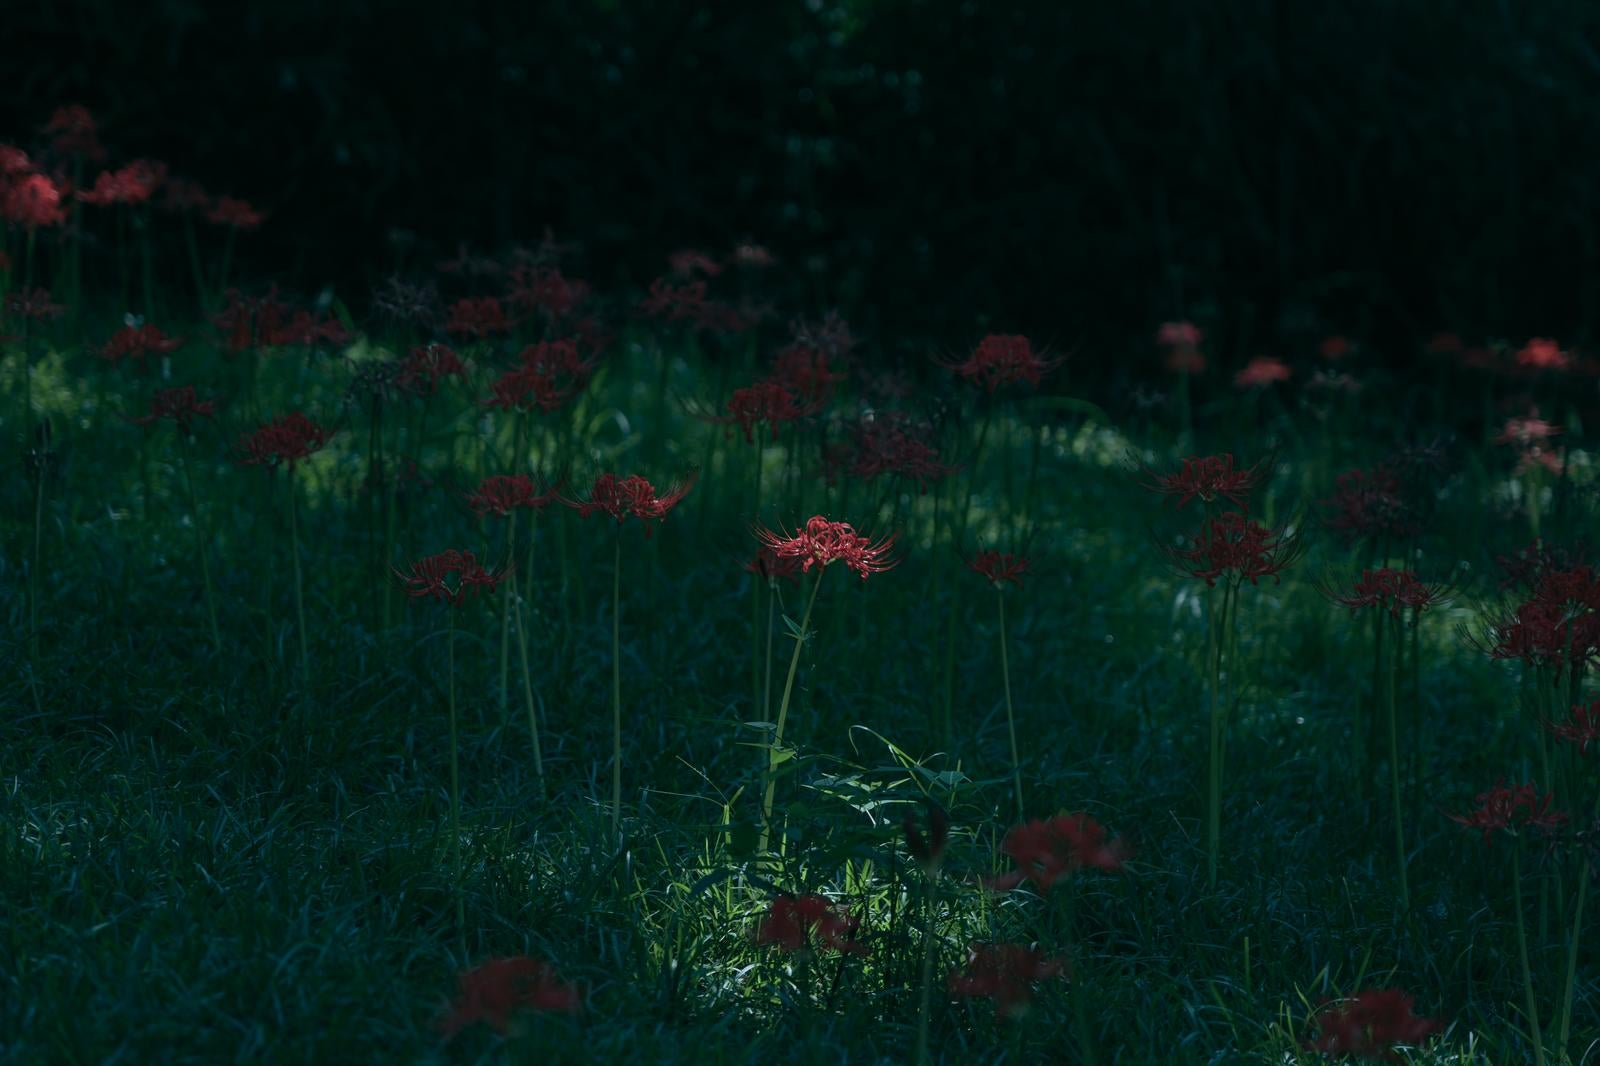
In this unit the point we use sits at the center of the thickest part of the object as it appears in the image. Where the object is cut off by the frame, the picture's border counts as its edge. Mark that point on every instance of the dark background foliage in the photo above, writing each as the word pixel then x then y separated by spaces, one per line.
pixel 1075 171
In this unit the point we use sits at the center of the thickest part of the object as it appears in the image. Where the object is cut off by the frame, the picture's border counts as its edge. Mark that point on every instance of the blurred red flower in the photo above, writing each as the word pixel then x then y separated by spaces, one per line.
pixel 1262 371
pixel 1046 850
pixel 1508 808
pixel 478 318
pixel 795 922
pixel 1004 359
pixel 428 364
pixel 1542 353
pixel 1000 566
pixel 501 494
pixel 1370 503
pixel 493 990
pixel 283 442
pixel 1209 477
pixel 1005 973
pixel 1582 726
pixel 136 343
pixel 1370 1024
pixel 888 442
pixel 772 567
pixel 33 201
pixel 1390 590
pixel 630 497
pixel 73 132
pixel 234 214
pixel 135 183
pixel 180 405
pixel 33 304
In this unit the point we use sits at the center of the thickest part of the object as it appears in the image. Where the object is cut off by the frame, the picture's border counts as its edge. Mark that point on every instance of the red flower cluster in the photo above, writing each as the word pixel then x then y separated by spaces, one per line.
pixel 137 343
pixel 1234 547
pixel 135 183
pixel 793 922
pixel 1182 342
pixel 179 405
pixel 822 542
pixel 451 577
pixel 772 567
pixel 28 199
pixel 768 403
pixel 1542 353
pixel 1582 726
pixel 1210 478
pixel 33 304
pixel 1000 566
pixel 1529 436
pixel 889 442
pixel 494 989
pixel 1527 566
pixel 1004 359
pixel 1511 807
pixel 502 494
pixel 1371 503
pixel 806 372
pixel 477 318
pixel 1558 624
pixel 1370 1024
pixel 630 497
pixel 545 289
pixel 1262 371
pixel 283 442
pixel 1047 850
pixel 1005 973
pixel 267 322
pixel 426 365
pixel 548 375
pixel 72 131
pixel 1391 590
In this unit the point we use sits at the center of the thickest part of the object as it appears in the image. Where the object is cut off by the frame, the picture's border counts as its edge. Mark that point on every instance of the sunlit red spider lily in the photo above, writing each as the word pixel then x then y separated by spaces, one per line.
pixel 1262 371
pixel 1005 973
pixel 1046 850
pixel 1582 726
pixel 180 405
pixel 797 922
pixel 1000 567
pixel 1370 1024
pixel 771 567
pixel 928 850
pixel 630 497
pixel 283 442
pixel 1231 546
pixel 1509 808
pixel 821 543
pixel 452 577
pixel 477 318
pixel 1370 503
pixel 426 365
pixel 1542 353
pixel 32 202
pixel 135 183
pixel 494 990
pixel 1209 478
pixel 889 442
pixel 1002 359
pixel 1389 590
pixel 766 403
pixel 73 132
pixel 234 213
pixel 137 343
pixel 502 494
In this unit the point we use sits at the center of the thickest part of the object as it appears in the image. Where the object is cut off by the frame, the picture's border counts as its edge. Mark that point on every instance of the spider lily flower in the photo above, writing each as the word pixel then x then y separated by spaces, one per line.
pixel 135 183
pixel 1262 371
pixel 630 497
pixel 1233 547
pixel 1542 353
pixel 1582 726
pixel 822 542
pixel 492 991
pixel 137 343
pixel 477 318
pixel 545 289
pixel 689 262
pixel 771 567
pixel 1510 808
pixel 502 494
pixel 1000 567
pixel 1370 503
pixel 283 442
pixel 235 214
pixel 1370 1024
pixel 452 577
pixel 32 202
pixel 1209 478
pixel 33 304
pixel 180 406
pixel 1004 973
pixel 1390 590
pixel 766 403
pixel 1004 359
pixel 796 922
pixel 1046 850
pixel 426 365
pixel 890 442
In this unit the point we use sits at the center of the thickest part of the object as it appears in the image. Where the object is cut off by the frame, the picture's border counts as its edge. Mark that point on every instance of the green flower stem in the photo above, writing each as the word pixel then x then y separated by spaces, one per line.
pixel 1572 943
pixel 514 592
pixel 200 546
pixel 505 621
pixel 783 715
pixel 1394 768
pixel 455 779
pixel 299 585
pixel 1011 721
pixel 1522 952
pixel 616 690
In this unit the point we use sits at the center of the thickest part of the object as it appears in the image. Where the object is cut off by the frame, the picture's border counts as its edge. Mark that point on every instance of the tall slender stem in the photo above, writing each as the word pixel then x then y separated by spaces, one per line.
pixel 299 593
pixel 1522 952
pixel 505 620
pixel 1572 944
pixel 783 715
pixel 200 547
pixel 527 688
pixel 1214 761
pixel 766 675
pixel 616 690
pixel 455 778
pixel 1394 767
pixel 1011 721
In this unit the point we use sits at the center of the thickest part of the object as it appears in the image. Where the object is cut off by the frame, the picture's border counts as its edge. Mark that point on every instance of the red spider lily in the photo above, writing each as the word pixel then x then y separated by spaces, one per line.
pixel 1528 565
pixel 1004 359
pixel 1231 545
pixel 479 318
pixel 135 183
pixel 1582 726
pixel 451 577
pixel 1511 807
pixel 806 372
pixel 428 364
pixel 772 567
pixel 1210 477
pixel 1542 353
pixel 630 497
pixel 73 132
pixel 1370 503
pixel 545 289
pixel 179 405
pixel 235 214
pixel 524 388
pixel 305 330
pixel 829 336
pixel 1576 588
pixel 822 542
pixel 184 196
pixel 792 922
pixel 766 403
pixel 136 343
pixel 1000 566
pixel 1528 431
pixel 1005 973
pixel 267 322
pixel 560 362
pixel 928 850
pixel 1370 1024
pixel 1262 371
pixel 675 303
pixel 1047 850
pixel 33 202
pixel 1545 634
pixel 283 442
pixel 1390 590
pixel 688 262
pixel 502 494
pixel 493 990
pixel 1179 335
pixel 890 442
pixel 33 304
pixel 1335 348
pixel 14 161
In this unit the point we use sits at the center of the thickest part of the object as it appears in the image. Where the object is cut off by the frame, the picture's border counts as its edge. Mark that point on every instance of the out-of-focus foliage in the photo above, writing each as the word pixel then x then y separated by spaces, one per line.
pixel 1076 171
